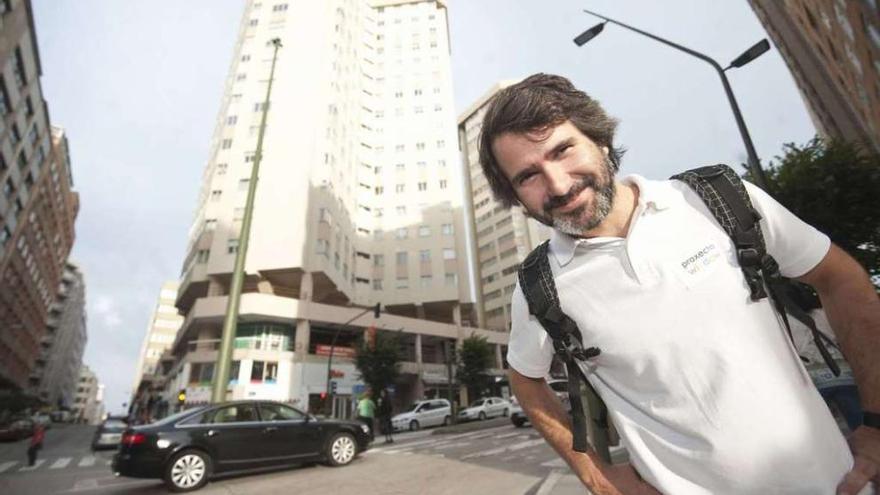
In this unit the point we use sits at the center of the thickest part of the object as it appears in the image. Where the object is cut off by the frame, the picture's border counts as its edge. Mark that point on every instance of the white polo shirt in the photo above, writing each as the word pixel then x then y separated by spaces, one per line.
pixel 702 383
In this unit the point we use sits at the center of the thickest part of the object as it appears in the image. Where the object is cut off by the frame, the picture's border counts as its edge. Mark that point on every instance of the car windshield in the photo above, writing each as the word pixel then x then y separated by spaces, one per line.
pixel 477 403
pixel 114 423
pixel 413 407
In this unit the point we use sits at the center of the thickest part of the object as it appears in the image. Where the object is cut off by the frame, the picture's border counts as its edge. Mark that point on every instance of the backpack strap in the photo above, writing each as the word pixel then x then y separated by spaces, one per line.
pixel 723 192
pixel 536 282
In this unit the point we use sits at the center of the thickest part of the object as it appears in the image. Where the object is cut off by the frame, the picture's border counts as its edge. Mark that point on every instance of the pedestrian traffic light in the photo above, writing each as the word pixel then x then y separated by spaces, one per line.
pixel 323 395
pixel 181 396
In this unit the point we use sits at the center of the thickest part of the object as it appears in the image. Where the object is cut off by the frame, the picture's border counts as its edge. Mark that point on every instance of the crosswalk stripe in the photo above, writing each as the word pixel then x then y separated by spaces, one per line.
pixel 508 448
pixel 7 465
pixel 451 445
pixel 60 463
pixel 35 466
pixel 87 461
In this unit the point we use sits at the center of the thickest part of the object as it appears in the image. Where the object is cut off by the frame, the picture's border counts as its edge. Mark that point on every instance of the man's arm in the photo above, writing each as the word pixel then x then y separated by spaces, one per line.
pixel 853 309
pixel 547 415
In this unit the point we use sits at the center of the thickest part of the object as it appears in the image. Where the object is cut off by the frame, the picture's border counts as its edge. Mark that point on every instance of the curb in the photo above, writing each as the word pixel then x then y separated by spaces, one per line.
pixel 471 426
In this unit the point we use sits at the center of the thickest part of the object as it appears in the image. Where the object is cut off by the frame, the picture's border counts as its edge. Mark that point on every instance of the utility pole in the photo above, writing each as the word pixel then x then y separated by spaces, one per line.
pixel 450 360
pixel 230 321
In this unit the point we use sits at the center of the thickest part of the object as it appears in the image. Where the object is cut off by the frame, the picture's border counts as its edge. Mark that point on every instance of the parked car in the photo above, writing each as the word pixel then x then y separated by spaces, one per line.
pixel 485 408
pixel 422 414
pixel 43 419
pixel 559 386
pixel 109 434
pixel 16 430
pixel 188 448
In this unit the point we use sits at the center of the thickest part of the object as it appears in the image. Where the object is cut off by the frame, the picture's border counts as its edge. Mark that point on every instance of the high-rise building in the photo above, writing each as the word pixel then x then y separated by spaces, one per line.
pixel 161 332
pixel 359 201
pixel 37 207
pixel 88 403
pixel 61 358
pixel 832 48
pixel 503 237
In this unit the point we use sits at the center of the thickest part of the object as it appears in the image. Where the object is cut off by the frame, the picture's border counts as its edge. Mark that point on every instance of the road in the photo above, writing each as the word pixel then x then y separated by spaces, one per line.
pixel 499 459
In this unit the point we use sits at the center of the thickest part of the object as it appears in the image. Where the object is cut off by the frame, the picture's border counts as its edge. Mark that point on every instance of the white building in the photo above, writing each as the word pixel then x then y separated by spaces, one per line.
pixel 503 237
pixel 160 332
pixel 359 201
pixel 88 404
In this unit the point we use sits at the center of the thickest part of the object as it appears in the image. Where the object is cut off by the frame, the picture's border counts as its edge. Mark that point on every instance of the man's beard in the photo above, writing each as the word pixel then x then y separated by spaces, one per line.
pixel 587 216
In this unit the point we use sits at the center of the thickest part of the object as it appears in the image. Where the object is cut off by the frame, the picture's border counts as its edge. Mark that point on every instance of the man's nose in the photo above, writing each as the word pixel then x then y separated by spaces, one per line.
pixel 557 180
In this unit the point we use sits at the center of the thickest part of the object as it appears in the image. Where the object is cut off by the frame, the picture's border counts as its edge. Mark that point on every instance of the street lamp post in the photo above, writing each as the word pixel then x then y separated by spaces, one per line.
pixel 230 321
pixel 752 53
pixel 376 310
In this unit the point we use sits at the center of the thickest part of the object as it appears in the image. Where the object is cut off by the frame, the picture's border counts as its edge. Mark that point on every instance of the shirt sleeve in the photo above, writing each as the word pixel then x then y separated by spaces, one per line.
pixel 797 246
pixel 529 350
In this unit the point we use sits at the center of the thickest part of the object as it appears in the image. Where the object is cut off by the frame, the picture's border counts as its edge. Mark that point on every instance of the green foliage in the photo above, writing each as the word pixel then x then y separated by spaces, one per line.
pixel 379 365
pixel 475 358
pixel 834 186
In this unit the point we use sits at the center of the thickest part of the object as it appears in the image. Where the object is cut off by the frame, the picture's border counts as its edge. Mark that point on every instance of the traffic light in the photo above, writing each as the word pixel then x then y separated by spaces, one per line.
pixel 377 309
pixel 323 395
pixel 181 396
pixel 333 387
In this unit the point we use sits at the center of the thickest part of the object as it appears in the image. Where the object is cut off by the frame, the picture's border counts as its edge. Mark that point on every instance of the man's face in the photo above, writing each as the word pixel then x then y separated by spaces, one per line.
pixel 559 175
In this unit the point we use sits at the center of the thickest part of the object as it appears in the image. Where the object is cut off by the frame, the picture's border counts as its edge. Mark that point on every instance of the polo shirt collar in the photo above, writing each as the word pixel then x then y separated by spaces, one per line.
pixel 652 195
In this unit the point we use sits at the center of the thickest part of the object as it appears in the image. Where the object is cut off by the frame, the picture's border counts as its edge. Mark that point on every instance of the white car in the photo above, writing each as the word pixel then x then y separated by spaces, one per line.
pixel 485 408
pixel 424 413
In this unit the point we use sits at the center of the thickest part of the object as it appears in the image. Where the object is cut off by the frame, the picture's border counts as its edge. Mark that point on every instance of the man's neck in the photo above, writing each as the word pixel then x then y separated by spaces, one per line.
pixel 616 224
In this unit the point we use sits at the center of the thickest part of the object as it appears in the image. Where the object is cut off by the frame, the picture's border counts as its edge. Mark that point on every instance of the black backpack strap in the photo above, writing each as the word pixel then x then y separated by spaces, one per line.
pixel 539 289
pixel 723 192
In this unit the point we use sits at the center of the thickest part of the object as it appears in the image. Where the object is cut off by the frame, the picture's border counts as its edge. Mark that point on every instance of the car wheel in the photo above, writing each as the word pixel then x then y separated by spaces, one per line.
pixel 413 425
pixel 446 421
pixel 519 423
pixel 482 415
pixel 187 471
pixel 506 412
pixel 341 449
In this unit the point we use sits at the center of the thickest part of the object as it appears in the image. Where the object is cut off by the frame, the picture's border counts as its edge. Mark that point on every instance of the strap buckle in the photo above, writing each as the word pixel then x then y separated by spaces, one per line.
pixel 568 349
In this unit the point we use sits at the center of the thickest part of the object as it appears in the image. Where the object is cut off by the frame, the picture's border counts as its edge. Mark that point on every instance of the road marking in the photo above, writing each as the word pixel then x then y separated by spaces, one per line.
pixel 87 461
pixel 556 462
pixel 7 465
pixel 60 463
pixel 509 448
pixel 35 466
pixel 549 483
pixel 510 435
pixel 451 445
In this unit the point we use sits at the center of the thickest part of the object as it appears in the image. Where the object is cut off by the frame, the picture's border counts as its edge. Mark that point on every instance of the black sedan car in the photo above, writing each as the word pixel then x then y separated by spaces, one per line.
pixel 188 448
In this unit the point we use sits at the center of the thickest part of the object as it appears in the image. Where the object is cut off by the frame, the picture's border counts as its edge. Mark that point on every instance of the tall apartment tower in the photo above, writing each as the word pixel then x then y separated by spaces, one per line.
pixel 88 404
pixel 37 207
pixel 832 48
pixel 61 359
pixel 159 337
pixel 359 200
pixel 503 237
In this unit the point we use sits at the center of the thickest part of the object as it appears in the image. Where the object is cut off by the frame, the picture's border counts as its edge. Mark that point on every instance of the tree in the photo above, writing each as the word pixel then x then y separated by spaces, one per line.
pixel 378 361
pixel 833 185
pixel 474 359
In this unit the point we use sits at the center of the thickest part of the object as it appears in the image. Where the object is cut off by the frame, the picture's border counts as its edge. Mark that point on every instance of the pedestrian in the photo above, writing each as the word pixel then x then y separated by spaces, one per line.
pixel 367 411
pixel 699 379
pixel 36 443
pixel 383 411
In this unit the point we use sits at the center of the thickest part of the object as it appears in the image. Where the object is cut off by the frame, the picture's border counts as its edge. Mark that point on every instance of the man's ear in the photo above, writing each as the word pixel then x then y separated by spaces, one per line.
pixel 605 150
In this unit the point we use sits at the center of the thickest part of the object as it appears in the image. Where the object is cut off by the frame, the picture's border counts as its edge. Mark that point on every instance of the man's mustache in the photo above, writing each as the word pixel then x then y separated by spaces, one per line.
pixel 576 188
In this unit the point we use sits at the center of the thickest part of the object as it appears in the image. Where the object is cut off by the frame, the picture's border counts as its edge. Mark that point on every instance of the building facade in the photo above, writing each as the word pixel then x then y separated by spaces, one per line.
pixel 146 401
pixel 61 358
pixel 37 207
pixel 832 48
pixel 359 201
pixel 503 237
pixel 88 403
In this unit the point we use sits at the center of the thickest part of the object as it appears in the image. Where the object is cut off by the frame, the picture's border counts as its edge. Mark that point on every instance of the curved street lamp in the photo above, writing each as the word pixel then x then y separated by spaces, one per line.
pixel 752 53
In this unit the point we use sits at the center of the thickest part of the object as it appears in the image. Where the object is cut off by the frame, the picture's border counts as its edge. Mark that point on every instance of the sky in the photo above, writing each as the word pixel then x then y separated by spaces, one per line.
pixel 137 87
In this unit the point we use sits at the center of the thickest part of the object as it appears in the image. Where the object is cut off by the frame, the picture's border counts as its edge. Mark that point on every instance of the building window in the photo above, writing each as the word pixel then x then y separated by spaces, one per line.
pixel 401 233
pixel 243 184
pixel 215 195
pixel 264 371
pixel 442 183
pixel 401 258
pixel 378 260
pixel 377 284
pixel 18 68
pixel 425 255
pixel 425 281
pixel 5 105
pixel 279 8
pixel 14 135
pixel 420 146
pixel 201 373
pixel 226 144
pixel 231 120
pixel 232 246
pixel 448 254
pixel 211 224
pixel 424 231
pixel 451 279
pixel 399 188
pixel 253 22
pixel 202 255
pixel 446 229
pixel 423 186
pixel 441 143
pixel 401 210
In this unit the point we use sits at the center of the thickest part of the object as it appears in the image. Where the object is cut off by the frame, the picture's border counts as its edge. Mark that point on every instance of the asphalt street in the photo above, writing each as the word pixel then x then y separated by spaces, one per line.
pixel 498 459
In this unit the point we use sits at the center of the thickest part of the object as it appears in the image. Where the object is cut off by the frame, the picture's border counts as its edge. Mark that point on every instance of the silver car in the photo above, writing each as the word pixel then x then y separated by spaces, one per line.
pixel 434 412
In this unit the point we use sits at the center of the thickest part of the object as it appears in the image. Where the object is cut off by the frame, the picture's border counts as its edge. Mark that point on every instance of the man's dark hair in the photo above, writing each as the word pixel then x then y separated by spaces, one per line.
pixel 536 103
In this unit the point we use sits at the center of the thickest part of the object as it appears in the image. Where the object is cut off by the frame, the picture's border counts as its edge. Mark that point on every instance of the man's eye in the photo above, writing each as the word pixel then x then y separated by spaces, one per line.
pixel 525 178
